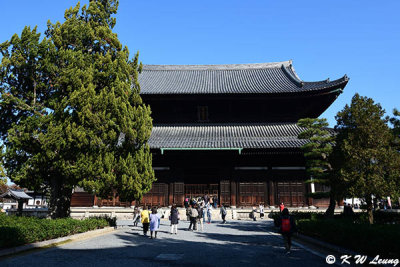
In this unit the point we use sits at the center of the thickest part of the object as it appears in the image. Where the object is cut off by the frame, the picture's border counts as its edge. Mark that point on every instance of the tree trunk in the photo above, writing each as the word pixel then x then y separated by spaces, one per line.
pixel 20 207
pixel 370 210
pixel 60 198
pixel 330 212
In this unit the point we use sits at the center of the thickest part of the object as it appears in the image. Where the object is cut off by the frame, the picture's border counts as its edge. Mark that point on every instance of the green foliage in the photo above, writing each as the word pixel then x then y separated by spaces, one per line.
pixel 16 231
pixel 366 161
pixel 318 149
pixel 70 109
pixel 382 239
pixel 395 121
pixel 317 153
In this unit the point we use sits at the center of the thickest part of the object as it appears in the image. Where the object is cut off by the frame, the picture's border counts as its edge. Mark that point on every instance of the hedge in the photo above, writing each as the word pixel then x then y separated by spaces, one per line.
pixel 380 217
pixel 16 230
pixel 375 239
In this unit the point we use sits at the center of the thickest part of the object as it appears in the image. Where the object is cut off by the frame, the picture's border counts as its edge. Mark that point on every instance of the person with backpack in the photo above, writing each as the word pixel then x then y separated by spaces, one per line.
pixel 222 211
pixel 145 215
pixel 193 218
pixel 287 226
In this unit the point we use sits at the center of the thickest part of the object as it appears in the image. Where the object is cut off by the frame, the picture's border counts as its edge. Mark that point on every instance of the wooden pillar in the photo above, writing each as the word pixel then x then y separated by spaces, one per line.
pixel 233 194
pixel 170 194
pixel 265 193
pixel 94 201
pixel 271 193
pixel 309 199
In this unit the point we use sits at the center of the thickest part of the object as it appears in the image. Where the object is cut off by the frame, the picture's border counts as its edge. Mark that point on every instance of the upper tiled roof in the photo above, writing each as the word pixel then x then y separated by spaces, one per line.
pixel 271 135
pixel 277 77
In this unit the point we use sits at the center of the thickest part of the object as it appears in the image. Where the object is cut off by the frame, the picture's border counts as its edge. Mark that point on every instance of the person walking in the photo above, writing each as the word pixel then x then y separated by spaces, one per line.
pixel 222 211
pixel 154 222
pixel 186 202
pixel 200 218
pixel 209 209
pixel 145 215
pixel 136 216
pixel 281 207
pixel 193 218
pixel 174 218
pixel 253 213
pixel 188 211
pixel 215 200
pixel 287 226
pixel 203 208
pixel 261 207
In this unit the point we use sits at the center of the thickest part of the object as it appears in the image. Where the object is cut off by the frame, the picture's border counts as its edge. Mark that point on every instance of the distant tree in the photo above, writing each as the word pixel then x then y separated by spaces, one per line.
pixel 369 164
pixel 317 153
pixel 71 113
pixel 395 120
pixel 3 179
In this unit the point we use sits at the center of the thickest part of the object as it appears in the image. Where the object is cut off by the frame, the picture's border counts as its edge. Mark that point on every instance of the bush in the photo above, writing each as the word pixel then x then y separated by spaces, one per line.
pixel 382 239
pixel 16 231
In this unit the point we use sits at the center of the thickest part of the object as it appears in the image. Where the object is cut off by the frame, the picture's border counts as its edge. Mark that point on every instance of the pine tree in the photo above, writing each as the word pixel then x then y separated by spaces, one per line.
pixel 368 163
pixel 87 125
pixel 317 153
pixel 395 121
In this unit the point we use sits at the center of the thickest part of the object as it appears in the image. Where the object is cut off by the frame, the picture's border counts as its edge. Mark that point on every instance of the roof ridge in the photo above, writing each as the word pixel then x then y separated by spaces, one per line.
pixel 269 65
pixel 227 124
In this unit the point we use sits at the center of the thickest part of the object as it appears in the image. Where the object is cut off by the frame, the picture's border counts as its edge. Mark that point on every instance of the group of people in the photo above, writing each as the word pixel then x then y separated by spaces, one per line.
pixel 197 209
pixel 149 218
pixel 196 212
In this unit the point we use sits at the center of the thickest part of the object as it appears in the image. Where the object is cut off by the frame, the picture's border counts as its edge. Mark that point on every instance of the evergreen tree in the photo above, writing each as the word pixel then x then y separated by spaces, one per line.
pixel 317 153
pixel 368 163
pixel 81 119
pixel 395 120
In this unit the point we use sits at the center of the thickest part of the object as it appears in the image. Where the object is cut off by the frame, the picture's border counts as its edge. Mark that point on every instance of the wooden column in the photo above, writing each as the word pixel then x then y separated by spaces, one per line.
pixel 233 194
pixel 171 194
pixel 95 200
pixel 271 193
pixel 309 199
pixel 266 200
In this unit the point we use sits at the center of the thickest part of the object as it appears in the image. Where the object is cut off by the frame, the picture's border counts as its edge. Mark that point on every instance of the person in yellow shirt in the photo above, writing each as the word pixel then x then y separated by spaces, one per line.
pixel 145 215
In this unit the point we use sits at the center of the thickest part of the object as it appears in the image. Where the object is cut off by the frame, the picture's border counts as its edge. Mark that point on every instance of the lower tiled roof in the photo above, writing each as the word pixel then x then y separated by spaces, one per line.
pixel 269 135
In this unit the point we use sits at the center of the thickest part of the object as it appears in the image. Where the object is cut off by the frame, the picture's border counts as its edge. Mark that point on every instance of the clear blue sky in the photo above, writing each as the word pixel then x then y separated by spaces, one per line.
pixel 323 38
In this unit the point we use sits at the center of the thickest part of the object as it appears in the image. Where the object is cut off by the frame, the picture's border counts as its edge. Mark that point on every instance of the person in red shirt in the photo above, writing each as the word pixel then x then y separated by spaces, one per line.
pixel 281 207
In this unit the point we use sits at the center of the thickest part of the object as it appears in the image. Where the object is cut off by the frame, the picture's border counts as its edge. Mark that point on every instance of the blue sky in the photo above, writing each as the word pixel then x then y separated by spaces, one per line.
pixel 323 38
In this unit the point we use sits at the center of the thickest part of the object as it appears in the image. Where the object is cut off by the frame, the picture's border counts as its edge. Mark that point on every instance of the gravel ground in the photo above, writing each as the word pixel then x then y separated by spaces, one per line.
pixel 236 243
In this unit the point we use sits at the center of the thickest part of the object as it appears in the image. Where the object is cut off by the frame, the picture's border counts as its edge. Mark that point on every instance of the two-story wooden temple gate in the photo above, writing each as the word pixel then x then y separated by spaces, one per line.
pixel 230 130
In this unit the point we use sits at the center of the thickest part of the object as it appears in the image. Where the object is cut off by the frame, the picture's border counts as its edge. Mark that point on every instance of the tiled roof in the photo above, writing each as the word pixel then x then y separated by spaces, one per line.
pixel 278 77
pixel 271 135
pixel 15 194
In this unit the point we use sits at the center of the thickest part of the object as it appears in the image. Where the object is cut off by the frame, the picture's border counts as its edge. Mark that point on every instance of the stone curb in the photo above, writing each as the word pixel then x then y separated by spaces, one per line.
pixel 54 242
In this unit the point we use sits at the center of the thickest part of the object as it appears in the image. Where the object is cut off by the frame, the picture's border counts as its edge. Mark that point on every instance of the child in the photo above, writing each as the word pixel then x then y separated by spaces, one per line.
pixel 154 222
